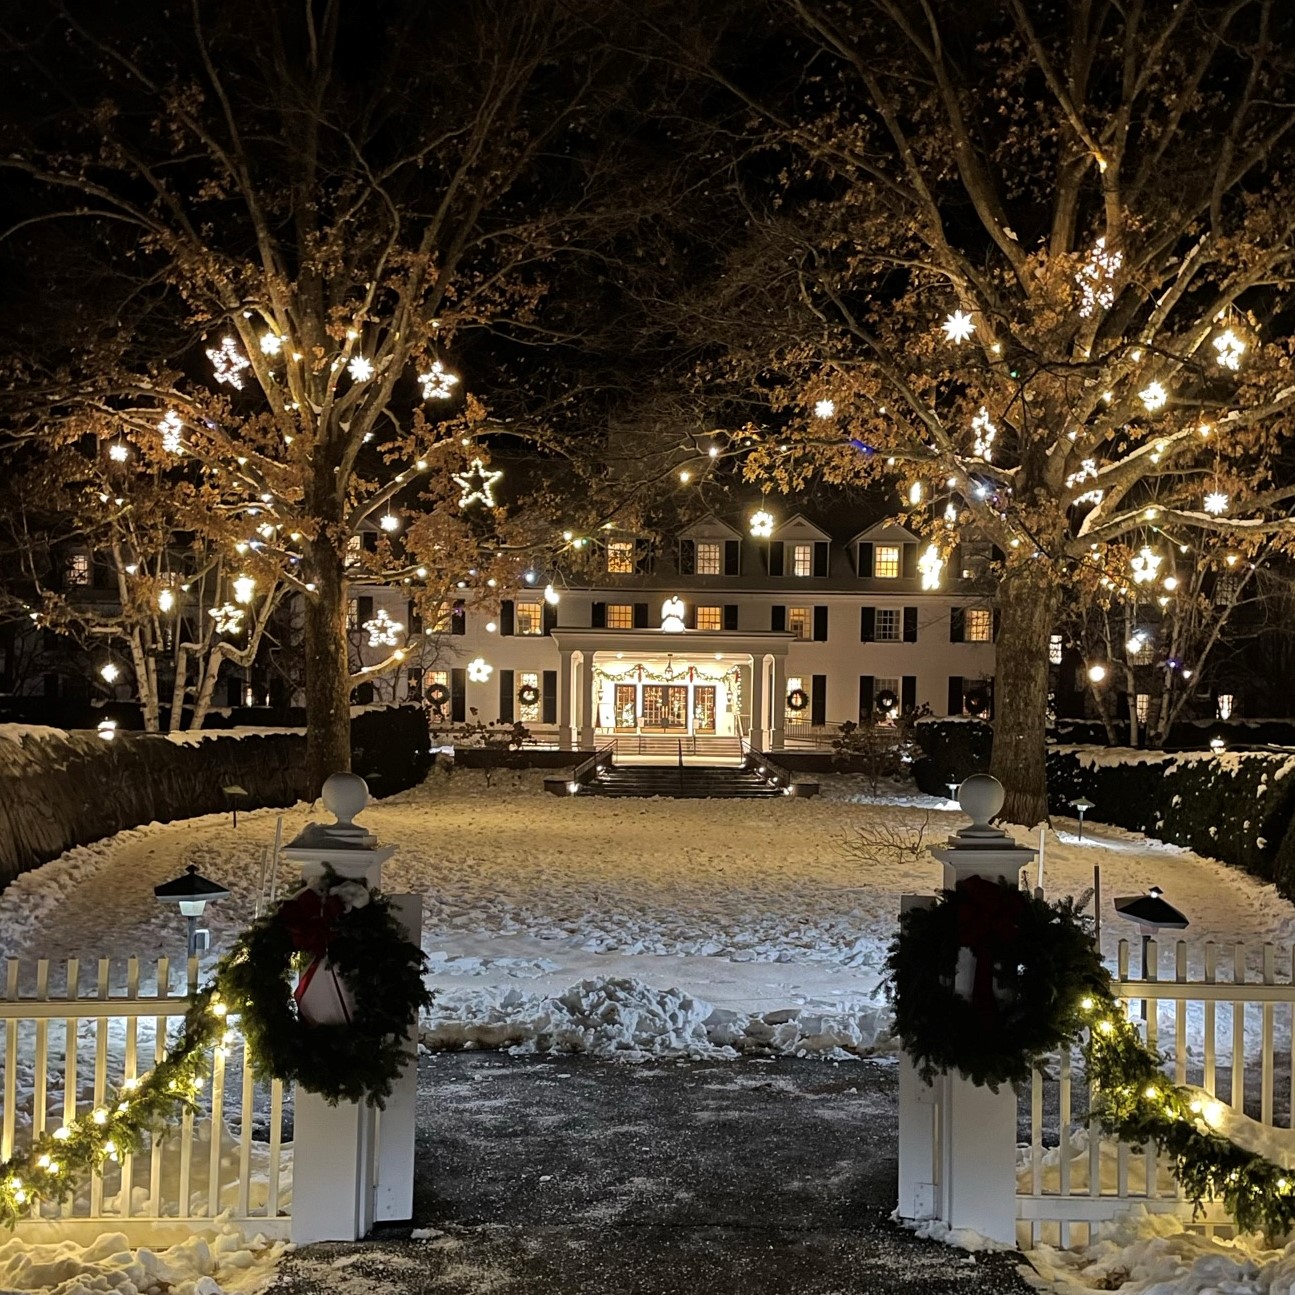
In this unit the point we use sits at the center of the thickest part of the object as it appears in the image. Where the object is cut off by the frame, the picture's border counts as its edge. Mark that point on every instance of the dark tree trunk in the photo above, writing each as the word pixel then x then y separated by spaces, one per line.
pixel 328 673
pixel 1027 605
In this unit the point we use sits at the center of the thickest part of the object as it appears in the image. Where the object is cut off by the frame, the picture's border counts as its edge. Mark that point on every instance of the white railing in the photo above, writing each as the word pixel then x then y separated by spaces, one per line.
pixel 1231 1037
pixel 70 1043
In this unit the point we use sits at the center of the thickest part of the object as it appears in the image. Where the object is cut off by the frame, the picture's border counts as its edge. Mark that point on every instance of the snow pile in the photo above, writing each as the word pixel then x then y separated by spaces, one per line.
pixel 1153 1254
pixel 222 1263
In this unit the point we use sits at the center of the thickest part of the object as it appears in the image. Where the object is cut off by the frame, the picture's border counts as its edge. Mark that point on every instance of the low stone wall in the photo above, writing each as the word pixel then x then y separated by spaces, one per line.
pixel 60 789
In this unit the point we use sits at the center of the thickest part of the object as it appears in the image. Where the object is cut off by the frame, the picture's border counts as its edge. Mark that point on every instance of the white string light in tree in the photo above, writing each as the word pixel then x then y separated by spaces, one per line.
pixel 984 431
pixel 930 564
pixel 228 362
pixel 476 484
pixel 171 427
pixel 958 327
pixel 244 588
pixel 1145 566
pixel 1229 348
pixel 1153 397
pixel 438 382
pixel 228 618
pixel 382 630
pixel 1095 278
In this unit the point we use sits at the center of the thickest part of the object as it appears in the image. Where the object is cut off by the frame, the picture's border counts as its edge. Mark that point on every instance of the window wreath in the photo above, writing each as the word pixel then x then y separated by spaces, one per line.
pixel 528 694
pixel 438 694
pixel 797 699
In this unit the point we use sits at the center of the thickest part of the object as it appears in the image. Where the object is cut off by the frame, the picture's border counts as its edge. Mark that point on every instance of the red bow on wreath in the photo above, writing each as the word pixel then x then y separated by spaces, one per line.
pixel 311 922
pixel 988 920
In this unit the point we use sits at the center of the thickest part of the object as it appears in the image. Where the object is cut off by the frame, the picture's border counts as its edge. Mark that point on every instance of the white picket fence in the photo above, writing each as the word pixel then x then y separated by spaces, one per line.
pixel 71 1041
pixel 1069 1181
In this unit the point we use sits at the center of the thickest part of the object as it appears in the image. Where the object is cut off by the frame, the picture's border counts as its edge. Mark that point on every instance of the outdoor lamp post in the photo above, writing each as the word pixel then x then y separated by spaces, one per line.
pixel 192 892
pixel 234 792
pixel 1083 805
pixel 1150 913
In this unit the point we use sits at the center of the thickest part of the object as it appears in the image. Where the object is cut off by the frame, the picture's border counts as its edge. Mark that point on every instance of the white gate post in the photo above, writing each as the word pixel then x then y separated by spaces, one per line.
pixel 957 1152
pixel 348 1172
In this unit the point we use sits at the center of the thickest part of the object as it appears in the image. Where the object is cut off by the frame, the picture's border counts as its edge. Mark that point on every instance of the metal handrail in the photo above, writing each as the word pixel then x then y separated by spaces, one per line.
pixel 603 755
pixel 752 753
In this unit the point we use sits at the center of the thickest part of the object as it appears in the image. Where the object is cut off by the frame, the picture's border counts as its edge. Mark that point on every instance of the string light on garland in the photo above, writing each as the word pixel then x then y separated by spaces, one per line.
pixel 824 408
pixel 1095 278
pixel 930 564
pixel 480 670
pixel 1145 565
pixel 985 432
pixel 1154 397
pixel 1216 503
pixel 382 630
pixel 228 362
pixel 438 382
pixel 171 427
pixel 477 485
pixel 761 525
pixel 1229 349
pixel 244 588
pixel 228 618
pixel 958 327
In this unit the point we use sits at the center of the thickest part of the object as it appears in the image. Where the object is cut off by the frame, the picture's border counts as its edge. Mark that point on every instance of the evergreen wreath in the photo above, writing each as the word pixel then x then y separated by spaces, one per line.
pixel 380 967
pixel 1034 964
pixel 797 699
pixel 528 694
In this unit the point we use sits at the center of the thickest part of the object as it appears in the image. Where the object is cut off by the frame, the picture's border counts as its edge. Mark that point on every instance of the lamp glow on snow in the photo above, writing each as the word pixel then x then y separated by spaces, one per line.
pixel 1082 805
pixel 191 894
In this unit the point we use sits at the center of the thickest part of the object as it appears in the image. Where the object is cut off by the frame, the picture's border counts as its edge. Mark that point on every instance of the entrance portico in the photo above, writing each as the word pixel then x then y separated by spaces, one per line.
pixel 678 682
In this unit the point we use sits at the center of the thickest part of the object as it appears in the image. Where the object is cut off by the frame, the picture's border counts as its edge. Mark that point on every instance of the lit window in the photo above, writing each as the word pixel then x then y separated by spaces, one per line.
pixel 620 557
pixel 439 680
pixel 528 618
pixel 441 618
pixel 1054 649
pixel 798 621
pixel 802 559
pixel 353 614
pixel 795 691
pixel 78 569
pixel 710 618
pixel 354 547
pixel 888 624
pixel 884 686
pixel 620 616
pixel 885 564
pixel 1226 590
pixel 976 558
pixel 980 625
pixel 528 712
pixel 1142 705
pixel 709 558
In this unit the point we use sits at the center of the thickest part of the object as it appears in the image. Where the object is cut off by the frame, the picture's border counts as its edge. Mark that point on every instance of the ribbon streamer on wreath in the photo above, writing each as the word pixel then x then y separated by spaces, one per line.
pixel 311 920
pixel 988 921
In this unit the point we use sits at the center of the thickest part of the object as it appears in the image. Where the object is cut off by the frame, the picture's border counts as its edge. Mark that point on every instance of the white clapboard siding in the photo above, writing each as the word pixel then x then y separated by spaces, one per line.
pixel 1068 1181
pixel 71 1039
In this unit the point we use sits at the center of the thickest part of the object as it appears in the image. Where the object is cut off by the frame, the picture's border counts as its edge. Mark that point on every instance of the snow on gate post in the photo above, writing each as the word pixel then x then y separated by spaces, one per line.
pixel 352 1165
pixel 957 1140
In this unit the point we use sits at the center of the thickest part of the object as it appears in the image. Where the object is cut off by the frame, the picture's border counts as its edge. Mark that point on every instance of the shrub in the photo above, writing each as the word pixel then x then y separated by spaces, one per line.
pixel 952 749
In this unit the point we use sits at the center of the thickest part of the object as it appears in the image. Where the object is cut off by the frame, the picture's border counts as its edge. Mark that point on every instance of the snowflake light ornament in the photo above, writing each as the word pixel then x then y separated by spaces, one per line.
pixel 118 452
pixel 360 368
pixel 271 343
pixel 958 327
pixel 824 408
pixel 438 382
pixel 477 485
pixel 228 618
pixel 1216 503
pixel 985 431
pixel 1095 278
pixel 1153 397
pixel 930 564
pixel 761 525
pixel 382 630
pixel 228 362
pixel 480 670
pixel 1229 348
pixel 171 428
pixel 244 587
pixel 1145 565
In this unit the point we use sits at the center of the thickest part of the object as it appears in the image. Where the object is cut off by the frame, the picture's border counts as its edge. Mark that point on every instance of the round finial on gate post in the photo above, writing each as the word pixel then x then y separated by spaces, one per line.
pixel 344 796
pixel 980 798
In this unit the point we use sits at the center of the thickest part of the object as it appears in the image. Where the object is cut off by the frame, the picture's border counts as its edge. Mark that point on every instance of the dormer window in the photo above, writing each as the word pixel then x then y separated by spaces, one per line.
pixel 886 562
pixel 710 557
pixel 620 557
pixel 802 559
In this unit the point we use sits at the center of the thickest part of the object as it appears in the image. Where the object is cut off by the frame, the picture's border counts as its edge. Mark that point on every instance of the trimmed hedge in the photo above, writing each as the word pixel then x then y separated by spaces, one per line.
pixel 952 749
pixel 60 789
pixel 1236 807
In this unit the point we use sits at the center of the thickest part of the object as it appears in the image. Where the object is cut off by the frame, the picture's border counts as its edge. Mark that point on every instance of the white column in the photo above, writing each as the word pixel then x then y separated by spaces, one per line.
pixel 332 1169
pixel 588 713
pixel 777 736
pixel 566 738
pixel 757 701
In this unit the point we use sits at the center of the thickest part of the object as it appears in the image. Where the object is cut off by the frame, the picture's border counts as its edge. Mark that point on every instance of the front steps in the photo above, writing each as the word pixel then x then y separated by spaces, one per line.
pixel 691 782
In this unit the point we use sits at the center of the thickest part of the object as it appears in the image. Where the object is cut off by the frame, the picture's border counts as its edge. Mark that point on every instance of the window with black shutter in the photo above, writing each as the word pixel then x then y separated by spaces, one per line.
pixel 363 610
pixel 867 625
pixel 820 557
pixel 459 617
pixel 458 695
pixel 910 561
pixel 867 696
pixel 775 558
pixel 957 624
pixel 506 693
pixel 640 616
pixel 818 699
pixel 910 624
pixel 908 692
pixel 643 557
pixel 777 619
pixel 687 557
pixel 732 557
pixel 865 561
pixel 549 697
pixel 820 624
pixel 550 614
pixel 598 616
pixel 998 616
pixel 957 696
pixel 507 618
pixel 730 616
pixel 414 619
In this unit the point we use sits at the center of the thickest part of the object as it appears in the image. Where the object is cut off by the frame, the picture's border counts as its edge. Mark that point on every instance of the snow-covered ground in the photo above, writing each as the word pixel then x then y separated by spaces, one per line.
pixel 622 927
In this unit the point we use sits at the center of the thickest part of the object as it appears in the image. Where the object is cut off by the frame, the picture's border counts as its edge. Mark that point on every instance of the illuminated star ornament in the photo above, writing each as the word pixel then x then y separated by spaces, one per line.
pixel 824 408
pixel 228 362
pixel 1095 277
pixel 171 427
pixel 958 327
pixel 228 618
pixel 438 382
pixel 382 630
pixel 477 484
pixel 1230 349
pixel 1216 503
pixel 360 369
pixel 118 452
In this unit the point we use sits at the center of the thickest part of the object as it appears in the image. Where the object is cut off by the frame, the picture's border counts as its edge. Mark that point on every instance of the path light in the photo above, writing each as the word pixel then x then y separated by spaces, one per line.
pixel 235 793
pixel 1150 913
pixel 1083 805
pixel 107 729
pixel 953 790
pixel 192 893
